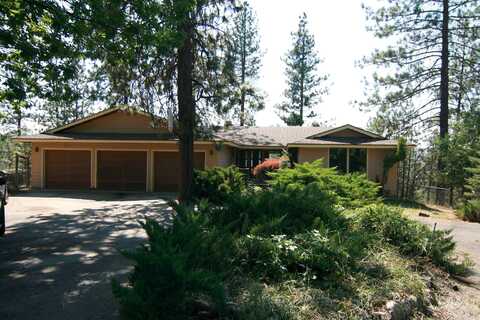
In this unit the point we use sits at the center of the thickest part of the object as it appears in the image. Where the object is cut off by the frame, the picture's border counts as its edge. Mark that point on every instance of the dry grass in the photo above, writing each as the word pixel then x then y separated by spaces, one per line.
pixel 383 275
pixel 413 209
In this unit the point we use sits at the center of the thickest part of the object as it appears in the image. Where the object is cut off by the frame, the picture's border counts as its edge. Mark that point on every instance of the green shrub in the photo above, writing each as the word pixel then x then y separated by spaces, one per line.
pixel 217 184
pixel 349 190
pixel 274 211
pixel 411 237
pixel 311 255
pixel 179 271
pixel 471 211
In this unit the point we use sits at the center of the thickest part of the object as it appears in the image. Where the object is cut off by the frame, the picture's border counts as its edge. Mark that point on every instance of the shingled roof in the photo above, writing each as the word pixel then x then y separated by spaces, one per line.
pixel 267 136
pixel 243 137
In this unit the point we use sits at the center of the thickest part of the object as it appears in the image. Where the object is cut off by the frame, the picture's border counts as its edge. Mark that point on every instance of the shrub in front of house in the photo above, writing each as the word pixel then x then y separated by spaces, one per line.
pixel 411 237
pixel 269 165
pixel 178 273
pixel 312 231
pixel 217 184
pixel 274 211
pixel 349 190
pixel 310 255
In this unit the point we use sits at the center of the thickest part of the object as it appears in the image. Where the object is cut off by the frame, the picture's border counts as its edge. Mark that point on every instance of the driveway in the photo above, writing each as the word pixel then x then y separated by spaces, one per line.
pixel 465 234
pixel 61 251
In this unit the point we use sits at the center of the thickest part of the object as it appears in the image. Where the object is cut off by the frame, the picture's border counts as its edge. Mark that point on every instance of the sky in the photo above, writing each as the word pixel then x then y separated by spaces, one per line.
pixel 341 39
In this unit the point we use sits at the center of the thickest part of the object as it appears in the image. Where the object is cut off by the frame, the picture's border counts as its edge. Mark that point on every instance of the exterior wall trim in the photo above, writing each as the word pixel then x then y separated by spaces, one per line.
pixel 108 141
pixel 350 146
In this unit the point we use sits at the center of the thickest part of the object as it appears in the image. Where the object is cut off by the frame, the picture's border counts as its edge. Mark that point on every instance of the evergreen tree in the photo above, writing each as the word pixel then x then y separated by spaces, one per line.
pixel 419 73
pixel 179 40
pixel 243 62
pixel 473 183
pixel 471 211
pixel 304 88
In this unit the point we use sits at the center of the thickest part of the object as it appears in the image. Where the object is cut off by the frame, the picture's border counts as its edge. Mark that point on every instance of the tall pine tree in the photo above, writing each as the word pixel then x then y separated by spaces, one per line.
pixel 242 65
pixel 304 88
pixel 416 74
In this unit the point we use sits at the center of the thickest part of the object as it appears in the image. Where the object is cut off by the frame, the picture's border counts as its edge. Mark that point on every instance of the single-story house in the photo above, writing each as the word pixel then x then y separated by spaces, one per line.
pixel 117 149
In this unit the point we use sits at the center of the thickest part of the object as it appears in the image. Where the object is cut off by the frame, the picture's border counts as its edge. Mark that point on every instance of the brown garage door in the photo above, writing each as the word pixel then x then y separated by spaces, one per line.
pixel 167 169
pixel 122 170
pixel 67 169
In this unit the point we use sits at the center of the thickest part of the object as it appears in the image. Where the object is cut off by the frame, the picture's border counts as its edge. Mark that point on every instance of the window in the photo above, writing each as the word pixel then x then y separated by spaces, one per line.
pixel 249 158
pixel 358 160
pixel 348 160
pixel 338 159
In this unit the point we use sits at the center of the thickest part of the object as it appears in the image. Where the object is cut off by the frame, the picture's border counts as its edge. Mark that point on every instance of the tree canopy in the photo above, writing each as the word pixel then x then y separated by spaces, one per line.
pixel 304 83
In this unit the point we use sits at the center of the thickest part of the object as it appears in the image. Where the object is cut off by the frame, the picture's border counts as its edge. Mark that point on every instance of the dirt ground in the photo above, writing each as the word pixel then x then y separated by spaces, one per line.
pixel 61 251
pixel 460 300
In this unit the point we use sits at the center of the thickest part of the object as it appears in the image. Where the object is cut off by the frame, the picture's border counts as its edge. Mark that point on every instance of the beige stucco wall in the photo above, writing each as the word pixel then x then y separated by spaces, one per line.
pixel 375 169
pixel 38 148
pixel 118 122
pixel 224 156
pixel 374 164
pixel 311 154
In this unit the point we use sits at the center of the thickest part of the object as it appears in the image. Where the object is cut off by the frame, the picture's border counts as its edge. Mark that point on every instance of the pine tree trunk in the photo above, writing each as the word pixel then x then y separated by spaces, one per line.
pixel 243 66
pixel 461 80
pixel 443 94
pixel 444 85
pixel 404 169
pixel 186 113
pixel 17 160
pixel 407 192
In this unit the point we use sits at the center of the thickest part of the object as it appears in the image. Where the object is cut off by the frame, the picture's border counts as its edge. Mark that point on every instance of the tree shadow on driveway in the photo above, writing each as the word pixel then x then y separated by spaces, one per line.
pixel 59 265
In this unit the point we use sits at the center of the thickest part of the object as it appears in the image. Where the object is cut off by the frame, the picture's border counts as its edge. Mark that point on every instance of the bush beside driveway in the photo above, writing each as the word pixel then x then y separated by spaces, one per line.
pixel 61 250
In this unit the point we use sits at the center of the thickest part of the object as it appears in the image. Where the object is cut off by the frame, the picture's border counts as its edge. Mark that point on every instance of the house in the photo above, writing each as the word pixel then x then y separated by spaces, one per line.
pixel 117 149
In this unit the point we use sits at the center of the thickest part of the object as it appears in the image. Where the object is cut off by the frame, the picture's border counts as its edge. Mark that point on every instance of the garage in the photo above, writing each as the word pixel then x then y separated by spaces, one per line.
pixel 167 169
pixel 67 169
pixel 122 170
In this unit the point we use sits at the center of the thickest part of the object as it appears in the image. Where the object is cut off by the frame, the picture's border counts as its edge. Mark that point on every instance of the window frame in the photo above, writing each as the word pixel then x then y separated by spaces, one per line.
pixel 348 159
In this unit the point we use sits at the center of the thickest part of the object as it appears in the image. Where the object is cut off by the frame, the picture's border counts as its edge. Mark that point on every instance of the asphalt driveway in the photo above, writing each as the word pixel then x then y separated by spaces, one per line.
pixel 465 234
pixel 61 251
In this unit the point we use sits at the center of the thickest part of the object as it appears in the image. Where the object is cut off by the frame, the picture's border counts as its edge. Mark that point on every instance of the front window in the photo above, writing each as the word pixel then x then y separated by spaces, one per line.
pixel 348 159
pixel 358 160
pixel 338 159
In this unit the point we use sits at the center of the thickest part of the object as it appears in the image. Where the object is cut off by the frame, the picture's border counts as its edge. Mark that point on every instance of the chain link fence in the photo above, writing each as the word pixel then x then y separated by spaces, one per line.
pixel 434 195
pixel 18 169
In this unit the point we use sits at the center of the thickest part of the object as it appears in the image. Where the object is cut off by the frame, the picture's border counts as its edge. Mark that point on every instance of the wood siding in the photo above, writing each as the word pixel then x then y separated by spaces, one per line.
pixel 118 122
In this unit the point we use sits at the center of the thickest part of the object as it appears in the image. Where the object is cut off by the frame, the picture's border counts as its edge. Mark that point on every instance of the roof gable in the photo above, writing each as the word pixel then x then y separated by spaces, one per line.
pixel 114 120
pixel 346 131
